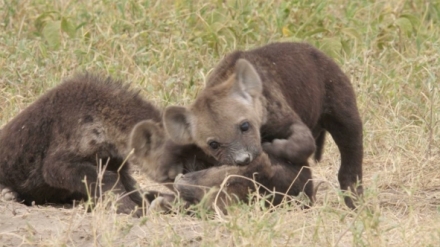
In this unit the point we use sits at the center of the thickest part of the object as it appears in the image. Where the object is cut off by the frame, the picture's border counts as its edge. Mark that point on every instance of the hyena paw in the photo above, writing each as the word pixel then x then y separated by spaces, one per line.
pixel 289 149
pixel 127 206
pixel 353 196
pixel 167 173
pixel 275 148
pixel 162 204
pixel 8 194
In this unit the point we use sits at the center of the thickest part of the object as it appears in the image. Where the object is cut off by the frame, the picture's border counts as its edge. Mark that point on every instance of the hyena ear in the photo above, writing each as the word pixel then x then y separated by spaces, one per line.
pixel 177 125
pixel 248 83
pixel 145 137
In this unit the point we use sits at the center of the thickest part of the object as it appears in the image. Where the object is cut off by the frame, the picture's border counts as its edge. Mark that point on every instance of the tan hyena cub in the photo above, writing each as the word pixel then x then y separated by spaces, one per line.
pixel 281 176
pixel 285 95
pixel 50 149
pixel 160 158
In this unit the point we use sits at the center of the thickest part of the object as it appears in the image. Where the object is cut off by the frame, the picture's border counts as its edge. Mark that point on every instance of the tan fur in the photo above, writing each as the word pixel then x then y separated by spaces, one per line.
pixel 229 102
pixel 160 158
pixel 201 179
pixel 148 141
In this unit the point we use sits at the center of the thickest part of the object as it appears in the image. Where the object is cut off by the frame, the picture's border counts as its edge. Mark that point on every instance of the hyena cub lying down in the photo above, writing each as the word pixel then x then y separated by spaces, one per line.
pixel 50 149
pixel 280 176
pixel 224 185
pixel 284 95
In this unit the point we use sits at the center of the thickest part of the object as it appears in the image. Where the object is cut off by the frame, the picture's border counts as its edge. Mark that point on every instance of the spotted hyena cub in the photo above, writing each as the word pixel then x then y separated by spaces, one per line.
pixel 49 152
pixel 284 95
pixel 162 159
pixel 201 178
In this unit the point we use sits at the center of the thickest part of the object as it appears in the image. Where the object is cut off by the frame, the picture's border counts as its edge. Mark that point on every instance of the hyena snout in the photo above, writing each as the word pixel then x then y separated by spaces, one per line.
pixel 243 158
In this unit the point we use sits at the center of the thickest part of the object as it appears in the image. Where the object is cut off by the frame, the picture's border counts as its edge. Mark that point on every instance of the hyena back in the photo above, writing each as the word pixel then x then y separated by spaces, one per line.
pixel 49 152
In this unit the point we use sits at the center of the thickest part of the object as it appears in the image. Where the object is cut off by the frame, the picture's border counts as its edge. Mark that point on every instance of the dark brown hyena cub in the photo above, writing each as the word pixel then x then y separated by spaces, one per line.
pixel 271 177
pixel 51 148
pixel 284 95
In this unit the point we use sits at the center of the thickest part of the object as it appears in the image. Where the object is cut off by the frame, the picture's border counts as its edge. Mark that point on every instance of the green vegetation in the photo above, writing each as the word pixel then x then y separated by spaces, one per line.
pixel 389 49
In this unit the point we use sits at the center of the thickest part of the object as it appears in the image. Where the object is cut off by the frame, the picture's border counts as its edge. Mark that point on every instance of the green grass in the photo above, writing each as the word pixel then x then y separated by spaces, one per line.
pixel 389 49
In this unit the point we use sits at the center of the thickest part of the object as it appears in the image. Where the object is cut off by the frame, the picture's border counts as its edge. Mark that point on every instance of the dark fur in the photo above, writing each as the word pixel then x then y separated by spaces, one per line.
pixel 319 93
pixel 301 86
pixel 165 159
pixel 50 147
pixel 273 174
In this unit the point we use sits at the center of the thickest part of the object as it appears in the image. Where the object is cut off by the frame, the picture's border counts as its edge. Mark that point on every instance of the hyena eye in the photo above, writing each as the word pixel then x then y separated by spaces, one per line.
pixel 244 126
pixel 214 144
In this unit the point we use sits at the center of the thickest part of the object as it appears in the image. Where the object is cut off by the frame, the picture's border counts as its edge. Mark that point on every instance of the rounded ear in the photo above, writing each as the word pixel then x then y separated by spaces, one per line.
pixel 145 137
pixel 248 83
pixel 177 124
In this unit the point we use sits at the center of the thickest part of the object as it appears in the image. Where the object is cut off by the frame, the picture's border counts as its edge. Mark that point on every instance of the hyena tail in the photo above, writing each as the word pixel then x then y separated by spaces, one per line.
pixel 320 145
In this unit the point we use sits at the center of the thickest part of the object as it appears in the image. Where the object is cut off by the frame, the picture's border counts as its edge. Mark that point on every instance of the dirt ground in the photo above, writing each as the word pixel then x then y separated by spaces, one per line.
pixel 396 217
pixel 69 225
pixel 18 222
pixel 64 225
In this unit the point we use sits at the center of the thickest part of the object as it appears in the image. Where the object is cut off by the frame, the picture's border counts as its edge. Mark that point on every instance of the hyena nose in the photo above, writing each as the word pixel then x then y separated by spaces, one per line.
pixel 243 159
